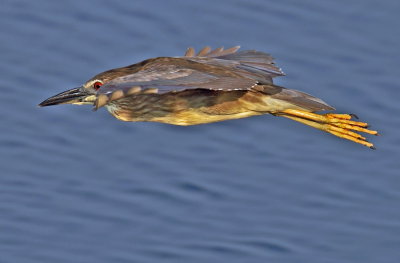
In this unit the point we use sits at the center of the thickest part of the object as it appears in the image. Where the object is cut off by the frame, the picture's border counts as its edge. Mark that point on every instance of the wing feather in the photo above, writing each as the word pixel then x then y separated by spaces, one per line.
pixel 255 60
pixel 174 80
pixel 207 52
pixel 255 64
pixel 204 51
pixel 215 52
pixel 216 69
pixel 190 52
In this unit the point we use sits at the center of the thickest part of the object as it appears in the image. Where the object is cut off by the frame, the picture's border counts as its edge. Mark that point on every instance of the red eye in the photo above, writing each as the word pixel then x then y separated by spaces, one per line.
pixel 97 85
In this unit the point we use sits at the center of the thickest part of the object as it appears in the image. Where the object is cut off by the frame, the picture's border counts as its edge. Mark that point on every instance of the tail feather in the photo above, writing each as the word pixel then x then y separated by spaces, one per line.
pixel 296 97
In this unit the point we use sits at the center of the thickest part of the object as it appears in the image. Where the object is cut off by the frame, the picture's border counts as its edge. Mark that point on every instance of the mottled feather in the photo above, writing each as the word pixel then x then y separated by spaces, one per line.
pixel 219 69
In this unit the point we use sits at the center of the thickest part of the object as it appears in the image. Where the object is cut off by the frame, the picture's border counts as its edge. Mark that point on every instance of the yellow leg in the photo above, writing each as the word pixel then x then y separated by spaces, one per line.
pixel 326 118
pixel 337 124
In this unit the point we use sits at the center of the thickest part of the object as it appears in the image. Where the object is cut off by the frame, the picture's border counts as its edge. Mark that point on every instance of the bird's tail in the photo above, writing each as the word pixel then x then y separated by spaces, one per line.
pixel 297 98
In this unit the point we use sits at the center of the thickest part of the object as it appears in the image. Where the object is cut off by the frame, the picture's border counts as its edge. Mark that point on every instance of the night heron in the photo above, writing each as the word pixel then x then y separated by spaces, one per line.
pixel 210 86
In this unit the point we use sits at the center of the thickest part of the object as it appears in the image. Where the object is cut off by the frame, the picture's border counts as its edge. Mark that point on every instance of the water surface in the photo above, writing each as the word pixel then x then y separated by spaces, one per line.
pixel 80 186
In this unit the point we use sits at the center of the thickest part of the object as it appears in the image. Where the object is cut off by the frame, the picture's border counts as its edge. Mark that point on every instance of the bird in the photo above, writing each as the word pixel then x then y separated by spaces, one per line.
pixel 205 87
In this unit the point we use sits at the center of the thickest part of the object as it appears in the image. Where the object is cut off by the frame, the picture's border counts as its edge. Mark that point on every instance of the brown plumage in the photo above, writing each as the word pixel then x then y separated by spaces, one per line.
pixel 210 86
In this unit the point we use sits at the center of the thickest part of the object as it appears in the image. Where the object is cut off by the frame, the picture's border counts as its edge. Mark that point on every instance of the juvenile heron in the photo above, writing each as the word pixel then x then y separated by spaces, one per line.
pixel 210 86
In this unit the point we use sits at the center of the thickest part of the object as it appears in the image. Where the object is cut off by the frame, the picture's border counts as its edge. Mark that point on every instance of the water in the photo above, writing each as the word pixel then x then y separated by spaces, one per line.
pixel 80 186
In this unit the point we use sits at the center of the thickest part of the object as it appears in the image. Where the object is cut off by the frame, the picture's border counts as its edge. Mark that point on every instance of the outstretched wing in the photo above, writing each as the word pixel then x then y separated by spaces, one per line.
pixel 214 70
pixel 160 79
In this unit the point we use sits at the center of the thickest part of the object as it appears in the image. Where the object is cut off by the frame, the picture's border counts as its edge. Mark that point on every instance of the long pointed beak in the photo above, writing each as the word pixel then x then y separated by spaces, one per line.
pixel 72 96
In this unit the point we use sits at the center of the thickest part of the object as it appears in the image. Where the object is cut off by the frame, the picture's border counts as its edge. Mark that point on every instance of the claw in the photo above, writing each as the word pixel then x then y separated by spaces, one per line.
pixel 354 116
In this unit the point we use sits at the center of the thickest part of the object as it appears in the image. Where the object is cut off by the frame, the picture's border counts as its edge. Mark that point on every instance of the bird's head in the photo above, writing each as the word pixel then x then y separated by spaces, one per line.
pixel 86 94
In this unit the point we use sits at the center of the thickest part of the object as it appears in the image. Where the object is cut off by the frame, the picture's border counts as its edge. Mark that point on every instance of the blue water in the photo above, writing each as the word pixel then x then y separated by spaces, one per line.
pixel 80 186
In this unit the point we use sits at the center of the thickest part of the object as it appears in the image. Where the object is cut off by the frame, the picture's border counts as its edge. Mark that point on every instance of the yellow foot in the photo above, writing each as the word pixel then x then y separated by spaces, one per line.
pixel 339 125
